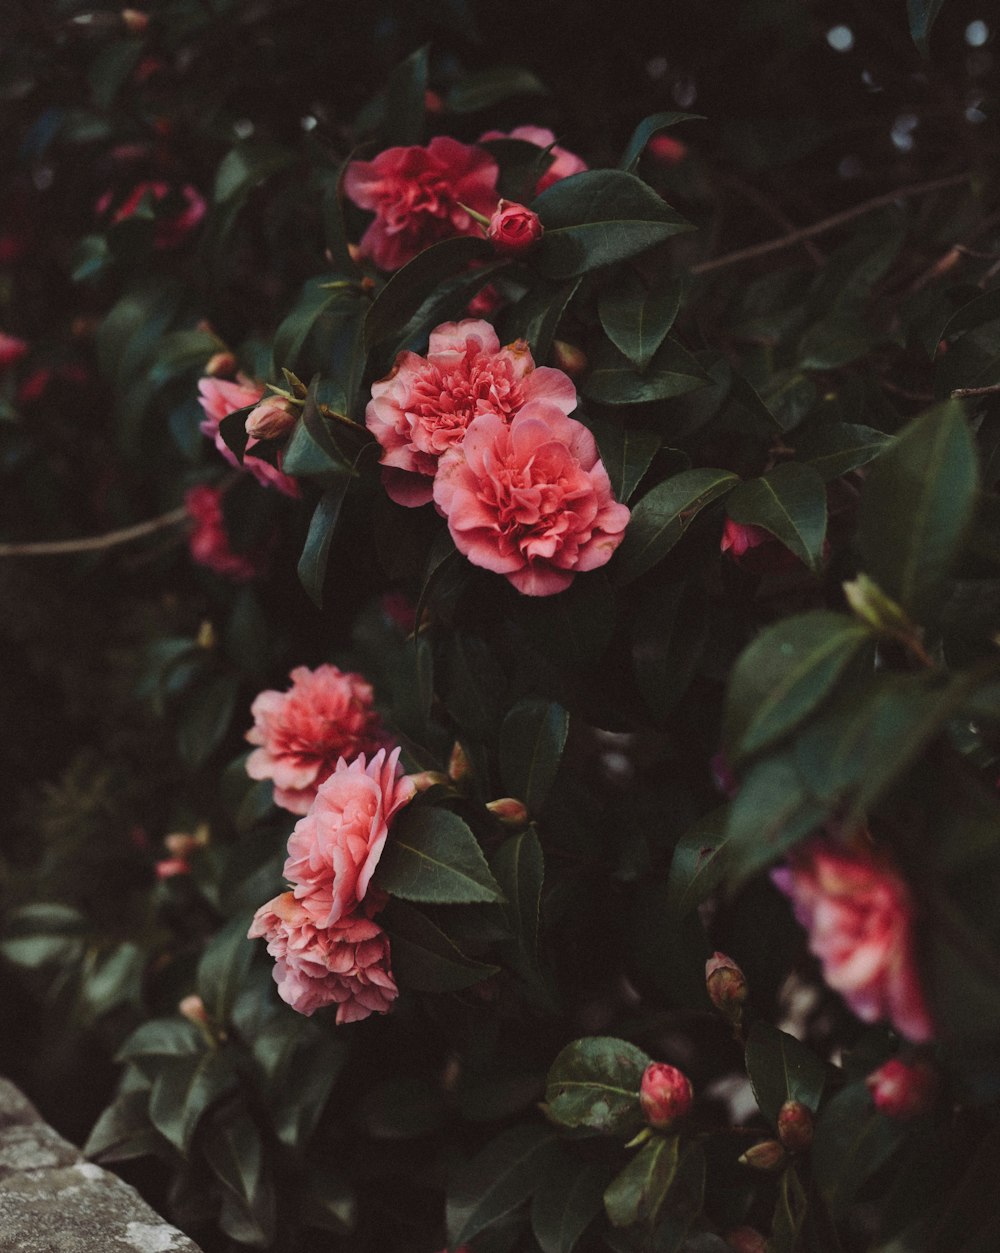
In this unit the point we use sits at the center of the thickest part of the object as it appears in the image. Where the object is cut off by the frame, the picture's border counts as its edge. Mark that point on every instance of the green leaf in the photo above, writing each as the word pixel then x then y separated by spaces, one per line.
pixel 403 122
pixel 328 1201
pixel 627 453
pixel 698 864
pixel 568 1197
pixel 301 1065
pixel 785 674
pixel 637 320
pixel 790 502
pixel 974 313
pixel 772 811
pixel 597 217
pixel 223 968
pixel 645 131
pixel 573 629
pixel 475 685
pixel 519 868
pixel 782 1069
pixel 433 857
pixel 315 302
pixel 532 740
pixel 918 503
pixel 614 381
pixel 789 1213
pixel 661 517
pixel 316 551
pixel 497 1180
pixel 424 958
pixel 482 89
pixel 403 1108
pixel 638 1193
pixel 594 1082
pixel 922 15
pixel 838 447
pixel 235 1155
pixel 208 712
pixel 851 1143
pixel 248 164
pixel 536 316
pixel 184 1089
pixel 669 634
pixel 162 1037
pixel 123 1131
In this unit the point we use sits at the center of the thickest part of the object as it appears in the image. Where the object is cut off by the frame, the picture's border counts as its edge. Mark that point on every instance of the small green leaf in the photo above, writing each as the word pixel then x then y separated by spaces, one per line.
pixel 532 740
pixel 223 968
pixel 235 1155
pixel 424 958
pixel 613 380
pixel 403 122
pixel 835 448
pixel 637 320
pixel 698 864
pixel 246 165
pixel 162 1037
pixel 627 453
pixel 569 1196
pixel 790 502
pixel 123 1131
pixel 433 857
pixel 638 1193
pixel 851 1143
pixel 594 1082
pixel 316 551
pixel 922 14
pixel 519 868
pixel 482 89
pixel 661 517
pixel 782 1069
pixel 184 1089
pixel 645 131
pixel 497 1180
pixel 772 811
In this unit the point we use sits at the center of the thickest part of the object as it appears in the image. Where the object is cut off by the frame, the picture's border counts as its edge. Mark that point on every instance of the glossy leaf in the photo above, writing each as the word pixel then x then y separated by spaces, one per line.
pixel 536 316
pixel 432 856
pixel 519 869
pixel 627 453
pixel 235 1155
pixel 532 740
pixel 613 380
pixel 123 1131
pixel 638 1193
pixel 162 1037
pixel 569 1196
pixel 836 448
pixel 594 1082
pixel 497 1180
pixel 316 551
pixel 699 863
pixel 246 165
pixel 772 811
pixel 223 968
pixel 480 89
pixel 851 1143
pixel 782 1069
pixel 922 14
pixel 790 502
pixel 645 131
pixel 184 1089
pixel 637 320
pixel 661 517
pixel 424 958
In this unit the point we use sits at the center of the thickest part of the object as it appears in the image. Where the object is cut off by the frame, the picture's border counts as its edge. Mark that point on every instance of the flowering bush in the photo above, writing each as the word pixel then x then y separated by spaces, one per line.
pixel 531 557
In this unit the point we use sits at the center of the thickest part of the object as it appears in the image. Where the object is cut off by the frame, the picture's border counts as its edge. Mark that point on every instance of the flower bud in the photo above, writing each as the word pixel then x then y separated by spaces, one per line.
pixel 513 228
pixel 168 867
pixel 726 986
pixel 745 1240
pixel 220 364
pixel 273 417
pixel 902 1090
pixel 766 1155
pixel 459 766
pixel 425 779
pixel 511 812
pixel 877 609
pixel 193 1009
pixel 180 844
pixel 665 1095
pixel 134 21
pixel 795 1126
pixel 569 358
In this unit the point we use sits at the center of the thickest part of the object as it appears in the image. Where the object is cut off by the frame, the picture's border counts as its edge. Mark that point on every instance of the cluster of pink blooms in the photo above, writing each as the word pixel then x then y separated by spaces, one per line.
pixel 484 433
pixel 169 231
pixel 326 946
pixel 860 916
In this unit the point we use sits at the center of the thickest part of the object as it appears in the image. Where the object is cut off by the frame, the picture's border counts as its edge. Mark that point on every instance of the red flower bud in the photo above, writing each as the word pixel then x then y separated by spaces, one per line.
pixel 795 1126
pixel 902 1090
pixel 766 1155
pixel 665 1095
pixel 726 985
pixel 193 1009
pixel 273 417
pixel 12 349
pixel 168 867
pixel 569 358
pixel 513 228
pixel 667 150
pixel 220 364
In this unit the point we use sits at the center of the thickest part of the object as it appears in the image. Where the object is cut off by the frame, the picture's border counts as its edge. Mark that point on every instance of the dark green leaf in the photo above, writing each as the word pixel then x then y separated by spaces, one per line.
pixel 433 857
pixel 208 712
pixel 627 453
pixel 640 1190
pixel 537 314
pixel 532 740
pixel 184 1089
pixel 614 381
pixel 789 1213
pixel 316 551
pixel 595 1083
pixel 497 1180
pixel 424 958
pixel 223 968
pixel 790 502
pixel 301 1065
pixel 403 122
pixel 475 686
pixel 772 811
pixel 782 1069
pixel 974 313
pixel 519 868
pixel 852 1141
pixel 328 1201
pixel 670 632
pixel 597 217
pixel 246 165
pixel 483 88
pixel 569 1196
pixel 637 320
pixel 839 447
pixel 661 517
pixel 162 1037
pixel 574 628
pixel 698 864
pixel 645 131
pixel 123 1131
pixel 922 14
pixel 403 1108
pixel 235 1155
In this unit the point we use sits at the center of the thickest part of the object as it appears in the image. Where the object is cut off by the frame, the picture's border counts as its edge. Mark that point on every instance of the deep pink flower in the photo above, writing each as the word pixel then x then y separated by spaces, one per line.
pixel 334 849
pixel 219 398
pixel 565 163
pixel 530 500
pixel 667 150
pixel 423 407
pixel 169 231
pixel 417 196
pixel 665 1095
pixel 12 349
pixel 303 732
pixel 346 964
pixel 738 538
pixel 513 228
pixel 902 1090
pixel 860 917
pixel 208 540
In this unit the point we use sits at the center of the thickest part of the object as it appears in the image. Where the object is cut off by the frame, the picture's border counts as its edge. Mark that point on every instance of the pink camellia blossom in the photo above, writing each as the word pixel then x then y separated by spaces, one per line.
pixel 564 164
pixel 12 349
pixel 219 398
pixel 302 733
pixel 738 538
pixel 334 849
pixel 169 231
pixel 665 1095
pixel 423 407
pixel 902 1090
pixel 345 964
pixel 420 196
pixel 530 500
pixel 860 917
pixel 208 540
pixel 513 228
pixel 667 150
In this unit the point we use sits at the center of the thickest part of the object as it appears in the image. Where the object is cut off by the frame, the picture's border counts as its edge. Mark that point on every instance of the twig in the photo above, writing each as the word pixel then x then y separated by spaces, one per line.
pixel 766 205
pixel 828 224
pixel 96 543
pixel 959 392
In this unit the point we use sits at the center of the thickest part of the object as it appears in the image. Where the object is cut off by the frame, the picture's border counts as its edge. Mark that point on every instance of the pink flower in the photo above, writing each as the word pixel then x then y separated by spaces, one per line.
pixel 169 231
pixel 531 500
pixel 208 540
pixel 667 150
pixel 168 867
pixel 902 1090
pixel 860 917
pixel 418 194
pixel 565 163
pixel 303 732
pixel 738 538
pixel 423 407
pixel 346 964
pixel 486 301
pixel 219 398
pixel 334 849
pixel 665 1095
pixel 12 349
pixel 513 228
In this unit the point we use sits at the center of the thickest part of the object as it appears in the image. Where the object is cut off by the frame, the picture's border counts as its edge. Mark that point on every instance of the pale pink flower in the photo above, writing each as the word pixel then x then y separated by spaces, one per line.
pixel 665 1095
pixel 530 500
pixel 346 964
pixel 208 540
pixel 513 228
pixel 12 349
pixel 902 1090
pixel 334 849
pixel 860 917
pixel 417 196
pixel 424 406
pixel 219 398
pixel 303 732
pixel 564 164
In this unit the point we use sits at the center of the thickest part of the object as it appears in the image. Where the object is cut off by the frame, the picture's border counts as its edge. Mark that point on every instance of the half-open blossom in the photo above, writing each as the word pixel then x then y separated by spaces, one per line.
pixel 303 732
pixel 209 542
pixel 334 849
pixel 665 1095
pixel 423 407
pixel 12 349
pixel 564 163
pixel 902 1090
pixel 345 964
pixel 513 228
pixel 420 196
pixel 530 500
pixel 219 398
pixel 860 917
pixel 169 231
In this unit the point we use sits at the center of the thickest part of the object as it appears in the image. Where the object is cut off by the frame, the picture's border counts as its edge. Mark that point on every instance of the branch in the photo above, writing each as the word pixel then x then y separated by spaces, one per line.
pixel 960 392
pixel 828 224
pixel 96 543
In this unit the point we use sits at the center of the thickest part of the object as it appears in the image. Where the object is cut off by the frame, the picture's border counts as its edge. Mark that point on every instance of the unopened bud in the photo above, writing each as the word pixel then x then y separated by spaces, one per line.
pixel 795 1126
pixel 726 986
pixel 513 228
pixel 169 867
pixel 181 844
pixel 273 417
pixel 745 1240
pixel 220 364
pixel 459 766
pixel 193 1009
pixel 665 1095
pixel 135 21
pixel 877 609
pixel 767 1155
pixel 510 811
pixel 569 358
pixel 902 1090
pixel 425 779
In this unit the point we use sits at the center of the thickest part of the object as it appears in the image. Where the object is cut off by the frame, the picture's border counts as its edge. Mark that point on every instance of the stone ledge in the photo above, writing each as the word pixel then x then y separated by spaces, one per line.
pixel 53 1201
